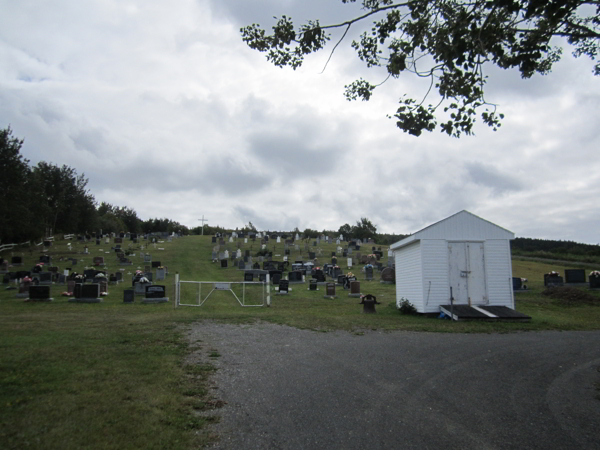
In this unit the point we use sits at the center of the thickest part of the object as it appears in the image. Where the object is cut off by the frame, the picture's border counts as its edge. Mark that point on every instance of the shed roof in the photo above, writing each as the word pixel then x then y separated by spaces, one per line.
pixel 461 226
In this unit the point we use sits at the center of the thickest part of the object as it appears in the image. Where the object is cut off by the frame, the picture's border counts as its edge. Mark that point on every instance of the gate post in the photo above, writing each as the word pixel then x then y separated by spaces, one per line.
pixel 176 290
pixel 268 278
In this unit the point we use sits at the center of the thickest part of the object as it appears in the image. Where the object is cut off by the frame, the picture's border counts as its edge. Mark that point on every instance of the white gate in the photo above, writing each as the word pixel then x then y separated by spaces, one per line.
pixel 467 273
pixel 206 288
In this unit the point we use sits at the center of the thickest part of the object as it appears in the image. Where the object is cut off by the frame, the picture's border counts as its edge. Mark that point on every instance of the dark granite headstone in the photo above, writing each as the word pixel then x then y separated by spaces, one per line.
pixel 249 276
pixel 224 263
pixel 16 261
pixel 90 290
pixel 128 296
pixel 295 277
pixel 330 290
pixel 516 282
pixel 39 292
pixel 574 276
pixel 284 286
pixel 156 291
pixel 155 264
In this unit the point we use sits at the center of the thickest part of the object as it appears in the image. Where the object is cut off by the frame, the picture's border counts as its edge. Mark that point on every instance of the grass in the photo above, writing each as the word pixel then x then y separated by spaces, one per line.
pixel 114 375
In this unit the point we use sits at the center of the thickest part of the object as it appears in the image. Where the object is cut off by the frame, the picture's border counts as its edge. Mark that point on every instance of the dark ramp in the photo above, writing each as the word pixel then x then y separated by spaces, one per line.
pixel 464 312
pixel 487 313
pixel 507 314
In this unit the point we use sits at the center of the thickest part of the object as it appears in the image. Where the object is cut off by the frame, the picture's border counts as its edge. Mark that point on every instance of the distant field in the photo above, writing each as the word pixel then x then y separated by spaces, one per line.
pixel 113 375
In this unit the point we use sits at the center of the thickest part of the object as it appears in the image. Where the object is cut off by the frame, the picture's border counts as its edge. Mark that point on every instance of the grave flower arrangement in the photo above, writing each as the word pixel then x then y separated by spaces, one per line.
pixel 349 275
pixel 595 274
pixel 552 274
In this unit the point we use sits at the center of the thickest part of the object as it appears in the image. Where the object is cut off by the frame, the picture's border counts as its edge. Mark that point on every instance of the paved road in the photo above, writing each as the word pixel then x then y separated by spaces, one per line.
pixel 296 389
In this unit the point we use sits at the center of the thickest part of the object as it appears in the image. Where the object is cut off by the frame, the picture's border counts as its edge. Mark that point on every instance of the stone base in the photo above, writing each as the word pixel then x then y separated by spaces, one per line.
pixel 330 296
pixel 386 282
pixel 281 293
pixel 155 300
pixel 354 295
pixel 126 264
pixel 24 295
pixel 39 300
pixel 86 300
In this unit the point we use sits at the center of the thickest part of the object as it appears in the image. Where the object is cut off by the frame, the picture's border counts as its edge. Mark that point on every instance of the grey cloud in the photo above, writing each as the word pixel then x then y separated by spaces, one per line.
pixel 489 176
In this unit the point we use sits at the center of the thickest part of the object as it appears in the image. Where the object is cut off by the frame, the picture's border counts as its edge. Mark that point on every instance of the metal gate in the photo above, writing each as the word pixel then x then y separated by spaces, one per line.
pixel 212 286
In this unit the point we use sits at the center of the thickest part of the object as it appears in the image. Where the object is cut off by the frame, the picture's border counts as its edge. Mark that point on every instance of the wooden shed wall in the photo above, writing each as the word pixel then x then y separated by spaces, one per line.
pixel 408 274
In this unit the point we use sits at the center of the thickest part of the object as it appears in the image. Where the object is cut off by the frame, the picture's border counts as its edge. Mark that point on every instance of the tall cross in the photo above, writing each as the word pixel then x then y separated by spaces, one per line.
pixel 203 220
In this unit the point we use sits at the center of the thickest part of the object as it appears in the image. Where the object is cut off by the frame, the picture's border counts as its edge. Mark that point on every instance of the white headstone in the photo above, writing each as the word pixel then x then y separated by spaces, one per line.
pixel 349 262
pixel 278 239
pixel 245 240
pixel 226 254
pixel 230 238
pixel 238 254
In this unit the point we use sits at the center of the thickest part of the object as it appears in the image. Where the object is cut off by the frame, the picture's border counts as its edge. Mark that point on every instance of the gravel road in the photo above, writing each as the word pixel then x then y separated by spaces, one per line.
pixel 286 388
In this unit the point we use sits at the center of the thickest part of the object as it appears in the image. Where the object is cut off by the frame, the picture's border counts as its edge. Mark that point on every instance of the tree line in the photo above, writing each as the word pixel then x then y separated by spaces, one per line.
pixel 37 201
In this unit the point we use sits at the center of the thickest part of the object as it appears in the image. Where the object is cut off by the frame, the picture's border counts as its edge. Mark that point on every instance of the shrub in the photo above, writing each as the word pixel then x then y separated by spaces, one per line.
pixel 405 307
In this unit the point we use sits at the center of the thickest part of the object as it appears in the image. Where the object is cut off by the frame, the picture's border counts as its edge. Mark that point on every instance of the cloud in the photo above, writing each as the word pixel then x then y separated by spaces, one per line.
pixel 167 111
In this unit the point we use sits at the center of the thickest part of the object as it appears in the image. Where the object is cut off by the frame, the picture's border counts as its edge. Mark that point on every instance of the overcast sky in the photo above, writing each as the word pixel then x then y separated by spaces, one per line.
pixel 164 108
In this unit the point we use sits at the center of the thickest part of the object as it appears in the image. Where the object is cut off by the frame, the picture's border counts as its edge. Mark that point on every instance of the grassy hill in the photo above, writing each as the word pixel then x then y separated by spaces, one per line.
pixel 113 375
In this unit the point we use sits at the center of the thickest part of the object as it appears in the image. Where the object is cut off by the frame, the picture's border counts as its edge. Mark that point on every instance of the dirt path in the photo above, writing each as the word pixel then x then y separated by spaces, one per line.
pixel 286 388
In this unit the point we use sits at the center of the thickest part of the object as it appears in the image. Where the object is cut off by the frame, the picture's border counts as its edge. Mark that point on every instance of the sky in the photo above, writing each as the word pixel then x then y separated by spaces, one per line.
pixel 167 111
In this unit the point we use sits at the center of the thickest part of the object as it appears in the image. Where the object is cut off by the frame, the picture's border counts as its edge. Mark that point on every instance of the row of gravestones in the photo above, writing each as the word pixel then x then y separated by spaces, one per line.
pixel 90 293
pixel 572 276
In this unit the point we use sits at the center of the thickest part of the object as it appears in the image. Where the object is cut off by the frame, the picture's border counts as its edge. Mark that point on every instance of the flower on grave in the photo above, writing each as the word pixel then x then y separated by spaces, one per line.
pixel 552 273
pixel 144 280
pixel 40 265
pixel 103 294
pixel 524 280
pixel 595 273
pixel 372 255
pixel 369 266
pixel 100 275
pixel 349 274
pixel 160 267
pixel 26 280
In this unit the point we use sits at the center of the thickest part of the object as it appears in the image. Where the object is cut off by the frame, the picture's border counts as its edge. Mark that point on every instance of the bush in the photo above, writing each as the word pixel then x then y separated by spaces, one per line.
pixel 405 307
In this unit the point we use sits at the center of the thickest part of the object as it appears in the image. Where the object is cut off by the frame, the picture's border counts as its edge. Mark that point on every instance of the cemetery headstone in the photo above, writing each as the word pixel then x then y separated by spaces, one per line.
pixel 313 285
pixel 155 294
pixel 330 290
pixel 388 276
pixel 354 289
pixel 284 286
pixel 223 263
pixel 248 276
pixel 369 273
pixel 98 260
pixel 39 294
pixel 16 261
pixel 128 296
pixel 574 276
pixel 45 278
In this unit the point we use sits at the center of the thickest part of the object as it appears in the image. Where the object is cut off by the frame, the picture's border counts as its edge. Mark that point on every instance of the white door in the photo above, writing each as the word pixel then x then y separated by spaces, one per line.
pixel 467 273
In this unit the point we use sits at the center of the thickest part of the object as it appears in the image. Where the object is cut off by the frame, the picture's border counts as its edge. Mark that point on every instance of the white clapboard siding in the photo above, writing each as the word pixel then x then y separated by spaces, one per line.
pixel 436 289
pixel 408 274
pixel 498 267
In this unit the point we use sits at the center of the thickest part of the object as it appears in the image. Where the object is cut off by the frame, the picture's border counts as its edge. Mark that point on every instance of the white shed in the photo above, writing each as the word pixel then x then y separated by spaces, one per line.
pixel 464 254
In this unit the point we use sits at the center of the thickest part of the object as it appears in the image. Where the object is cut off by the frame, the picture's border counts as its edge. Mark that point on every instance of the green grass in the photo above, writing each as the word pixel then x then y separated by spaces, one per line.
pixel 114 375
